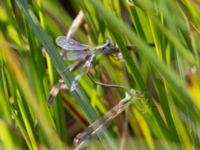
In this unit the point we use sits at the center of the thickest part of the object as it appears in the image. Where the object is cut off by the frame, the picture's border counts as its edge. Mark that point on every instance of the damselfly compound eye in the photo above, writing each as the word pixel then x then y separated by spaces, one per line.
pixel 108 44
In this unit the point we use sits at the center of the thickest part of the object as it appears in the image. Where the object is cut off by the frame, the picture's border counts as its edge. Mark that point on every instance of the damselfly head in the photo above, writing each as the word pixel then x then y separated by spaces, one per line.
pixel 107 46
pixel 108 43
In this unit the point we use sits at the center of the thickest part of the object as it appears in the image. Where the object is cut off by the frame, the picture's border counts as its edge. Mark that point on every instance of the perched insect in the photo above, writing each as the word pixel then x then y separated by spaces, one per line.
pixel 83 54
pixel 96 128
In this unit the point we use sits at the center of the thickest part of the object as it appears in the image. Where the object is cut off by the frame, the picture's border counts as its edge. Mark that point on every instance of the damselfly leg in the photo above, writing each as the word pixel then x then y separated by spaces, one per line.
pixel 85 68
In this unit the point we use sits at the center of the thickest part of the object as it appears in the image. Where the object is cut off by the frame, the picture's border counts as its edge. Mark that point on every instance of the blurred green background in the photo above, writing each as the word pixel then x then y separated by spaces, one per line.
pixel 164 66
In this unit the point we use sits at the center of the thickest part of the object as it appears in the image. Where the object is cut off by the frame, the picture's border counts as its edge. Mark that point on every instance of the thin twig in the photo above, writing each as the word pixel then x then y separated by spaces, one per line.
pixel 78 21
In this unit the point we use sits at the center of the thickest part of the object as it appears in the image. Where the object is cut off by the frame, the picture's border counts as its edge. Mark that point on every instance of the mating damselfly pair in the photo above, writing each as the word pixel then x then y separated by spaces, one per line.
pixel 84 57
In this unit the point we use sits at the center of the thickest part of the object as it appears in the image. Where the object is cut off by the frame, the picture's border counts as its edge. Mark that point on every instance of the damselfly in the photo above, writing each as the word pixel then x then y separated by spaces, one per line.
pixel 97 127
pixel 83 54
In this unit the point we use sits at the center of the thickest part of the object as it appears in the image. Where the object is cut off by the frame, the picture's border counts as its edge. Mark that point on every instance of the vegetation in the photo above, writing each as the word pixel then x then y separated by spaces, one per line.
pixel 163 65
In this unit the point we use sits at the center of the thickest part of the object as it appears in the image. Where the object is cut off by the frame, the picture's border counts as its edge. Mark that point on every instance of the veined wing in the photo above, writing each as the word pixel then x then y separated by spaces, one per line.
pixel 76 55
pixel 70 44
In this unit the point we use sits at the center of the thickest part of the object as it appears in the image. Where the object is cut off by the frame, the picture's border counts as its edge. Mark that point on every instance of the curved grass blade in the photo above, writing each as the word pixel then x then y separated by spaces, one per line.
pixel 44 39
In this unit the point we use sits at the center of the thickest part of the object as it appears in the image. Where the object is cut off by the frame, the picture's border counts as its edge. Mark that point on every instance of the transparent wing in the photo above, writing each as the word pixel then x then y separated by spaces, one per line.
pixel 70 44
pixel 76 55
